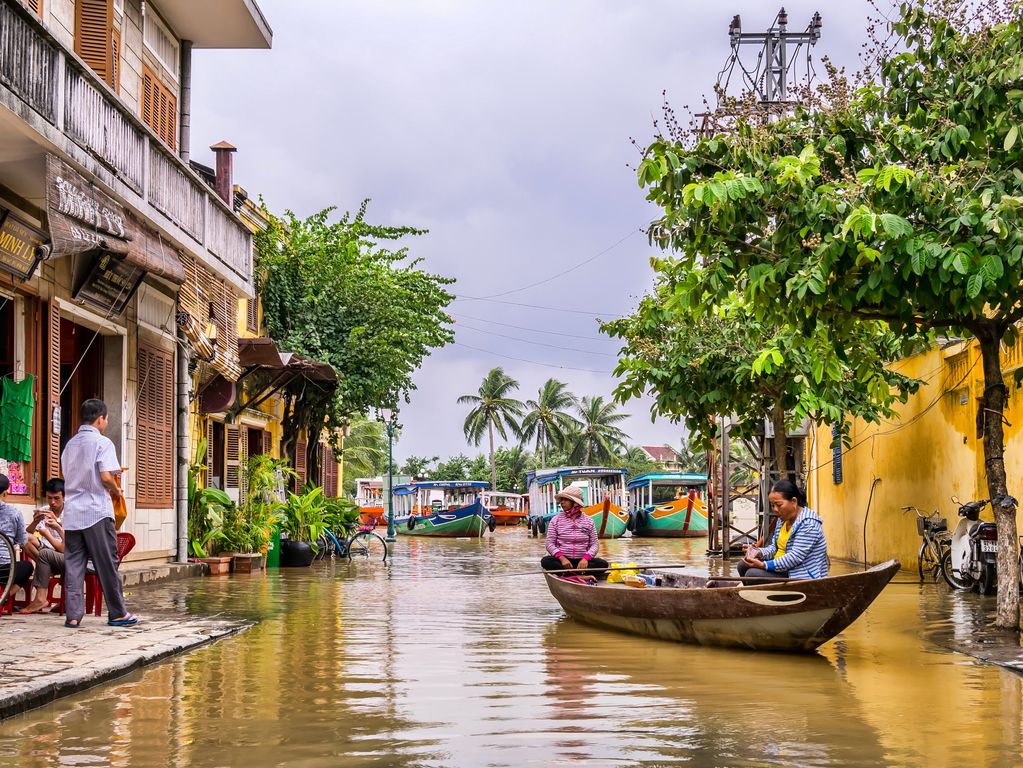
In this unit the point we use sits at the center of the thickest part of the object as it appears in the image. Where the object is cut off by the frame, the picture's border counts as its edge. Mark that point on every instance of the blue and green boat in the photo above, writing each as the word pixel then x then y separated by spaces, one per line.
pixel 668 505
pixel 442 509
pixel 604 497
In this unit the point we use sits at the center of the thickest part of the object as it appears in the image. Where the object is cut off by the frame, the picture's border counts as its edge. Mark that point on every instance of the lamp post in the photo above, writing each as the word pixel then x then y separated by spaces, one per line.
pixel 388 417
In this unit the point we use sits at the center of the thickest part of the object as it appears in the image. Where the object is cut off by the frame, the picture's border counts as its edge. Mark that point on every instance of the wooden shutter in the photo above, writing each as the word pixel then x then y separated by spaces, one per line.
pixel 243 464
pixel 301 448
pixel 208 460
pixel 330 472
pixel 159 108
pixel 53 390
pixel 154 470
pixel 232 464
pixel 115 58
pixel 267 443
pixel 37 6
pixel 94 25
pixel 252 315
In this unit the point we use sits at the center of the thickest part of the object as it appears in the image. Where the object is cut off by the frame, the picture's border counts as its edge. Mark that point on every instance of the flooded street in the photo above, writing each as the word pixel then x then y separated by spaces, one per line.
pixel 439 660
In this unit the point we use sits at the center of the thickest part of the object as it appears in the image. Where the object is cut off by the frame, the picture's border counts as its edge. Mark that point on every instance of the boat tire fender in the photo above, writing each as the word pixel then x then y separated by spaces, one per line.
pixel 411 523
pixel 542 527
pixel 491 524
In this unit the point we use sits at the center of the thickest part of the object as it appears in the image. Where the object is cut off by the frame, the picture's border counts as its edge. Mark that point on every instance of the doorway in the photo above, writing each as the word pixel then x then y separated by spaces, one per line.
pixel 81 374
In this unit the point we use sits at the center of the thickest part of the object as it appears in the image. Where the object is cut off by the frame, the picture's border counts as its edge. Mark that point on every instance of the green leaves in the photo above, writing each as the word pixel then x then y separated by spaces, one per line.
pixel 1010 137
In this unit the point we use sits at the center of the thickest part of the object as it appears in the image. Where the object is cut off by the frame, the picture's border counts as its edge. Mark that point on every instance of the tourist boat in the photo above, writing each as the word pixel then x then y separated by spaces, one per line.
pixel 604 497
pixel 505 508
pixel 441 508
pixel 668 505
pixel 369 495
pixel 788 616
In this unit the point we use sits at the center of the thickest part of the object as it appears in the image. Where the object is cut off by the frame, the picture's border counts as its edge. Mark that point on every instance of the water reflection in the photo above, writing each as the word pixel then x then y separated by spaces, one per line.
pixel 440 660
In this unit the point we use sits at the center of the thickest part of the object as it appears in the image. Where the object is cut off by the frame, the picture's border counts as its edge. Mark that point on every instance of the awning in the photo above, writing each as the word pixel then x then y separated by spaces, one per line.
pixel 200 342
pixel 263 353
pixel 84 218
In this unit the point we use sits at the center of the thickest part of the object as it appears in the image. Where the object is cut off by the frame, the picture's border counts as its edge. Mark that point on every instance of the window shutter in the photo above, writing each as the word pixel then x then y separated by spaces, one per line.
pixel 231 463
pixel 330 472
pixel 208 460
pixel 159 108
pixel 267 443
pixel 154 473
pixel 115 58
pixel 252 315
pixel 37 6
pixel 53 392
pixel 836 455
pixel 243 464
pixel 94 23
pixel 301 448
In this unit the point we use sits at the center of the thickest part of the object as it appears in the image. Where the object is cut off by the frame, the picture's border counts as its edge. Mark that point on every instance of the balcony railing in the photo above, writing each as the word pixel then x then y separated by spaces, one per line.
pixel 58 86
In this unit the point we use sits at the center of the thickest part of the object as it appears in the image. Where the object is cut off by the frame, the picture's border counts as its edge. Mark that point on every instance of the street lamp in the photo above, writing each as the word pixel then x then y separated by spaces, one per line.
pixel 387 415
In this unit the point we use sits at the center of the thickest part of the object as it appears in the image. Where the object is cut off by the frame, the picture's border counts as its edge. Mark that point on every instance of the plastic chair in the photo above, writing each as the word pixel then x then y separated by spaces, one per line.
pixel 93 589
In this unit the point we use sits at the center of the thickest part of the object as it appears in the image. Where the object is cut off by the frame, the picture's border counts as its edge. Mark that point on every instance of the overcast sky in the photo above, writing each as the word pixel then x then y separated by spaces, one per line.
pixel 504 129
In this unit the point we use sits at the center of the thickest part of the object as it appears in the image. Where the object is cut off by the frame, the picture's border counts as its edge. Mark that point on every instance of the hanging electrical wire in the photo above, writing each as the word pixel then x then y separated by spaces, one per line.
pixel 531 362
pixel 536 343
pixel 531 330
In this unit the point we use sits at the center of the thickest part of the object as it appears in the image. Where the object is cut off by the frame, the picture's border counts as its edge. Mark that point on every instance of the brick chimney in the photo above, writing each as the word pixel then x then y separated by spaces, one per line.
pixel 225 171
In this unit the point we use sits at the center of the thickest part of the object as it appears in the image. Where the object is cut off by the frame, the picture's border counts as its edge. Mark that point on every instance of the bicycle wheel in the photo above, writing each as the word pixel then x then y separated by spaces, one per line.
pixel 949 575
pixel 367 546
pixel 6 571
pixel 927 562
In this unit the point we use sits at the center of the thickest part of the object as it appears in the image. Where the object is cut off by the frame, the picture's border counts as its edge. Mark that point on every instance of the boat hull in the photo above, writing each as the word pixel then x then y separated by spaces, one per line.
pixel 456 523
pixel 509 518
pixel 796 616
pixel 674 520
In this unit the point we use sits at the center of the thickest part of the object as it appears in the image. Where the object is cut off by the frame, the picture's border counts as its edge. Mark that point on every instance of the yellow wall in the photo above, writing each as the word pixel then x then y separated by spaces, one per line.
pixel 924 457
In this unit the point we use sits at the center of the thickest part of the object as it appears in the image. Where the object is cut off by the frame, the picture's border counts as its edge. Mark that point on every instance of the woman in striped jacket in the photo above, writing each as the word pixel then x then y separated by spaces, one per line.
pixel 798 549
pixel 572 537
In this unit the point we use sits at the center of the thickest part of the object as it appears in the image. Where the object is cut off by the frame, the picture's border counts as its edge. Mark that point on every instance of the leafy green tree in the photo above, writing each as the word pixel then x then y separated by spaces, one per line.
pixel 337 293
pixel 597 438
pixel 901 205
pixel 547 419
pixel 636 462
pixel 364 451
pixel 458 467
pixel 492 409
pixel 691 458
pixel 419 466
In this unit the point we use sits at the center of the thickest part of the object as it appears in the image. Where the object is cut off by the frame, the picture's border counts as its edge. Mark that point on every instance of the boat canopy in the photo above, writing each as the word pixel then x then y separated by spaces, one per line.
pixel 544 476
pixel 668 478
pixel 454 484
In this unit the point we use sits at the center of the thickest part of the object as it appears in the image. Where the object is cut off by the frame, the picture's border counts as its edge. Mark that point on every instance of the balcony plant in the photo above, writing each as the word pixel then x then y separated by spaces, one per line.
pixel 302 525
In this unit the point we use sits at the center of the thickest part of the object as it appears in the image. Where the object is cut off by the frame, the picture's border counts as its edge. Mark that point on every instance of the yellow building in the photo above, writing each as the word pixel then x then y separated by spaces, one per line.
pixel 928 454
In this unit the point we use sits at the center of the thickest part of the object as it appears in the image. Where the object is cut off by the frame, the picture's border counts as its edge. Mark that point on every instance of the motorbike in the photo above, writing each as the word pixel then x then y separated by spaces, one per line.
pixel 970 562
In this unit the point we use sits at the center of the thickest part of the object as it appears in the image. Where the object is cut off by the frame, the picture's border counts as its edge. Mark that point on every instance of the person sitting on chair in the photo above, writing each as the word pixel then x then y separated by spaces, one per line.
pixel 798 549
pixel 47 550
pixel 572 538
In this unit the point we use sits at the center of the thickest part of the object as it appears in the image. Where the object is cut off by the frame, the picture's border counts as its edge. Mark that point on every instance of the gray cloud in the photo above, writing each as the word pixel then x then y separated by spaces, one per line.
pixel 504 129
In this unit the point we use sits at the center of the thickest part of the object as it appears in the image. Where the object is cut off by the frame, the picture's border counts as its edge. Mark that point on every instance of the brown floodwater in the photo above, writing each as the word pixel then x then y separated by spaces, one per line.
pixel 438 660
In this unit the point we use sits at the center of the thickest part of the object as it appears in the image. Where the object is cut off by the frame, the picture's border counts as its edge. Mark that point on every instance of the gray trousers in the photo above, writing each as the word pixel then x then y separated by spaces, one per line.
pixel 48 562
pixel 100 544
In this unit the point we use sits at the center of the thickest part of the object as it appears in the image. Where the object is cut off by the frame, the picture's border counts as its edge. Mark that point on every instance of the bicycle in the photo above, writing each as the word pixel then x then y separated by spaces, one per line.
pixel 354 543
pixel 6 545
pixel 937 539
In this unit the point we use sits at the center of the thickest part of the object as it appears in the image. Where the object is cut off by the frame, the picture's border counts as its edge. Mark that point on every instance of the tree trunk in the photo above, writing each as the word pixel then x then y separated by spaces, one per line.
pixel 543 446
pixel 586 455
pixel 493 458
pixel 989 335
pixel 781 464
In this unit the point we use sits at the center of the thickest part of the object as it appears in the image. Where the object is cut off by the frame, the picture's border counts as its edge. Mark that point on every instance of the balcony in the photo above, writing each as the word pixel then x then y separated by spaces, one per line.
pixel 50 101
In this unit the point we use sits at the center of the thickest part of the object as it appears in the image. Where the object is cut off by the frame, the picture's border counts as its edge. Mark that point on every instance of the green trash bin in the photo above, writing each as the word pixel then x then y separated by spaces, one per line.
pixel 273 550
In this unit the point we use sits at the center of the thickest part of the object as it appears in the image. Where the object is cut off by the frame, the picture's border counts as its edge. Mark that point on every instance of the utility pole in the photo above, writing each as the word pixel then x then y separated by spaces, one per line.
pixel 780 52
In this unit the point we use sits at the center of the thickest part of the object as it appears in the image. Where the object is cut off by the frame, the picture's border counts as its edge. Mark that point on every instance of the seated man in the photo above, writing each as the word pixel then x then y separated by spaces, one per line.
pixel 13 525
pixel 47 546
pixel 572 538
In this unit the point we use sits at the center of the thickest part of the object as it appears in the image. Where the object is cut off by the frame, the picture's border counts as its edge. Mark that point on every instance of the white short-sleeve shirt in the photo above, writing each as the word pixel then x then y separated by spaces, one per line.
pixel 86 500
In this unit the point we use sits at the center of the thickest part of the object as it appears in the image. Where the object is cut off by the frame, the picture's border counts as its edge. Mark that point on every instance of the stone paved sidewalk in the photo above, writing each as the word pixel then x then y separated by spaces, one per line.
pixel 42 660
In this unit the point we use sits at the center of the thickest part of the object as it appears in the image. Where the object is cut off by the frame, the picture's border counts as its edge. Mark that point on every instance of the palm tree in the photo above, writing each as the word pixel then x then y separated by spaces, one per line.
pixel 364 451
pixel 598 439
pixel 492 409
pixel 547 420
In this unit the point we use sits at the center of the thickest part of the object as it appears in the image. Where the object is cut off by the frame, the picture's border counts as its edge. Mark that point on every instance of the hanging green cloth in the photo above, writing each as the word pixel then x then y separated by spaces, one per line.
pixel 16 405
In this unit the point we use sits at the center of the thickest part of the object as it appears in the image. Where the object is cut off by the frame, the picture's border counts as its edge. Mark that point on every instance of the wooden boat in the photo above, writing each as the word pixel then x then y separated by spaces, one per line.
pixel 505 508
pixel 369 495
pixel 442 508
pixel 669 505
pixel 598 484
pixel 790 616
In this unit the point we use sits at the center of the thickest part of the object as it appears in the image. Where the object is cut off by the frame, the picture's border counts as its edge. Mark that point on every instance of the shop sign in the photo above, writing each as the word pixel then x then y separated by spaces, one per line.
pixel 19 245
pixel 109 284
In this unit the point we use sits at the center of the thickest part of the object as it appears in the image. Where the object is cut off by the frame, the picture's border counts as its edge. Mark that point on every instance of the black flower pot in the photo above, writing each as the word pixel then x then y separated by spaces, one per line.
pixel 296 554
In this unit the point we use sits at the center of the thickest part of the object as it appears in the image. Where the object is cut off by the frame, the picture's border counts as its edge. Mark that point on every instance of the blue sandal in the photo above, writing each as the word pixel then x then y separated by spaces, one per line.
pixel 127 621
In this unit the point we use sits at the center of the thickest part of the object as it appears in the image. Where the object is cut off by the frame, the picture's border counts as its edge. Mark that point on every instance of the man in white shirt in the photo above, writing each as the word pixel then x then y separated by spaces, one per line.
pixel 90 466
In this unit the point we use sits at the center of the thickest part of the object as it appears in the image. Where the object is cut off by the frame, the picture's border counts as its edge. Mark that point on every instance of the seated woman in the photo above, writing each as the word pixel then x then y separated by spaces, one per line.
pixel 572 538
pixel 798 549
pixel 12 524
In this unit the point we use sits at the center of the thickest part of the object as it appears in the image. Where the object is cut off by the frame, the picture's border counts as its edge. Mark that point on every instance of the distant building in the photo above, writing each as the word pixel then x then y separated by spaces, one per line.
pixel 667 457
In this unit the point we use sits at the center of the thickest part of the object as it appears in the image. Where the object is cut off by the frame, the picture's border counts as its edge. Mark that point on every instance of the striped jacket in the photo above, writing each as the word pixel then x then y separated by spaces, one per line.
pixel 806 555
pixel 573 537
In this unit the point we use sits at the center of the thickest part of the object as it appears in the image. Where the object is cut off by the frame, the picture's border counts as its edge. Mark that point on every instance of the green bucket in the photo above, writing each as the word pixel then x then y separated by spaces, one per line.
pixel 273 551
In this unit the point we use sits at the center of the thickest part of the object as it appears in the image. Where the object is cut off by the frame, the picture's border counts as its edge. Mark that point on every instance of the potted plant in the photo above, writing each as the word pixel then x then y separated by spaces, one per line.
pixel 208 509
pixel 302 524
pixel 249 530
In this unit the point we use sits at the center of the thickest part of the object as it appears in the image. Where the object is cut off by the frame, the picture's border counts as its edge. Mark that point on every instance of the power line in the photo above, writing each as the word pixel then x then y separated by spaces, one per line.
pixel 532 330
pixel 589 312
pixel 537 343
pixel 566 271
pixel 531 362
